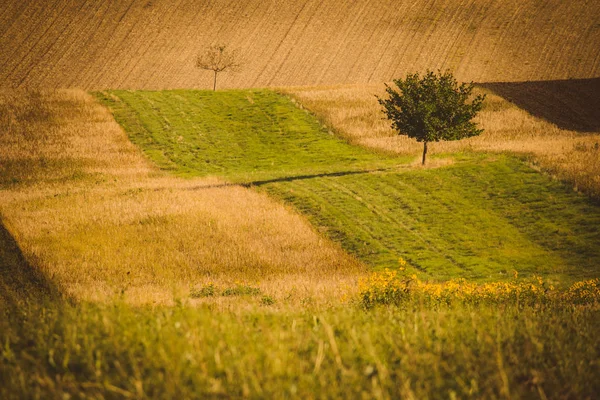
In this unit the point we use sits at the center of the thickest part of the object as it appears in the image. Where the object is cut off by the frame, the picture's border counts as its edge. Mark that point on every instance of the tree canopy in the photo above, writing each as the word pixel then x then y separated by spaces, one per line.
pixel 432 108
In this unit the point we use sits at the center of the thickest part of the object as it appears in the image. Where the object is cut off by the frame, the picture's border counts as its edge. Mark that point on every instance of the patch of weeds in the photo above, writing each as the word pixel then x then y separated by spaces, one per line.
pixel 267 300
pixel 210 290
pixel 241 289
pixel 204 291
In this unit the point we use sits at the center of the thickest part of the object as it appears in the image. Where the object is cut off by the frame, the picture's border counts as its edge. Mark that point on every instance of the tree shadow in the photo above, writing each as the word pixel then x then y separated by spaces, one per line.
pixel 21 283
pixel 291 178
pixel 312 176
pixel 572 104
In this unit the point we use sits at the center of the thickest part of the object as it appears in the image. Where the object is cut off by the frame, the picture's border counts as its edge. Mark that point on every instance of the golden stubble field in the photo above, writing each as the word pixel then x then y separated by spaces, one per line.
pixel 91 213
pixel 142 44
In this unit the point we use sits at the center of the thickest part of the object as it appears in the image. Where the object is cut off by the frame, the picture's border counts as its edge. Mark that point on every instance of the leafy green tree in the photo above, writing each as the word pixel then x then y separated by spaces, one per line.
pixel 432 108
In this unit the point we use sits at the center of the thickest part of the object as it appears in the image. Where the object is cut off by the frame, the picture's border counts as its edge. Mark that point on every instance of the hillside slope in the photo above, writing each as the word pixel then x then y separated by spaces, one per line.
pixel 96 44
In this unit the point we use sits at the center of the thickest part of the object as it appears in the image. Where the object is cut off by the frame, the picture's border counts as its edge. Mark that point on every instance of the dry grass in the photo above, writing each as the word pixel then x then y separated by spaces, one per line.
pixel 354 113
pixel 138 44
pixel 90 212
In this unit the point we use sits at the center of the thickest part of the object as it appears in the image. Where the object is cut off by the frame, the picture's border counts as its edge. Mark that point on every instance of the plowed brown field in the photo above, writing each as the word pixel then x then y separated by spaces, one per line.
pixel 94 44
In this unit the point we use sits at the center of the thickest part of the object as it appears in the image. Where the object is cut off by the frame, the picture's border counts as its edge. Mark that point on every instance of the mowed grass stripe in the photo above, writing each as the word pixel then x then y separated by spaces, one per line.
pixel 446 224
pixel 325 208
pixel 391 201
pixel 454 225
pixel 451 224
pixel 544 210
pixel 241 135
pixel 480 218
pixel 381 217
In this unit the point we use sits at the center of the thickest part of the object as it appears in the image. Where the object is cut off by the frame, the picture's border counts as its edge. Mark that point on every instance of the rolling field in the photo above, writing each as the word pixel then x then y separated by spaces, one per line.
pixel 141 44
pixel 285 242
pixel 120 281
pixel 478 218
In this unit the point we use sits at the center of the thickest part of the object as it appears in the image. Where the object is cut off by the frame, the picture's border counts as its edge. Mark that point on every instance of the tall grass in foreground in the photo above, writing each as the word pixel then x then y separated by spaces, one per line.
pixel 353 112
pixel 506 351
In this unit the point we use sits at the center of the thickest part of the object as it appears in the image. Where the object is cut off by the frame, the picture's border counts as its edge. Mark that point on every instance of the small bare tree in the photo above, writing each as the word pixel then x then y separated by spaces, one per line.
pixel 219 58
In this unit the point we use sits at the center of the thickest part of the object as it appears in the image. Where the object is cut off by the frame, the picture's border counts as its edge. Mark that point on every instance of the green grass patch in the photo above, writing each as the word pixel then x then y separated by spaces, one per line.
pixel 478 220
pixel 243 136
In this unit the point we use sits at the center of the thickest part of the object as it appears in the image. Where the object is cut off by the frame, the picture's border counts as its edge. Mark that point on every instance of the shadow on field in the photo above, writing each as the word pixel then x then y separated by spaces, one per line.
pixel 20 282
pixel 292 178
pixel 313 176
pixel 572 104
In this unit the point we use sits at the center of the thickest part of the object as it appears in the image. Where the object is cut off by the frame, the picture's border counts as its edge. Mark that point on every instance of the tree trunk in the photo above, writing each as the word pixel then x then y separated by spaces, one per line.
pixel 215 82
pixel 424 152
